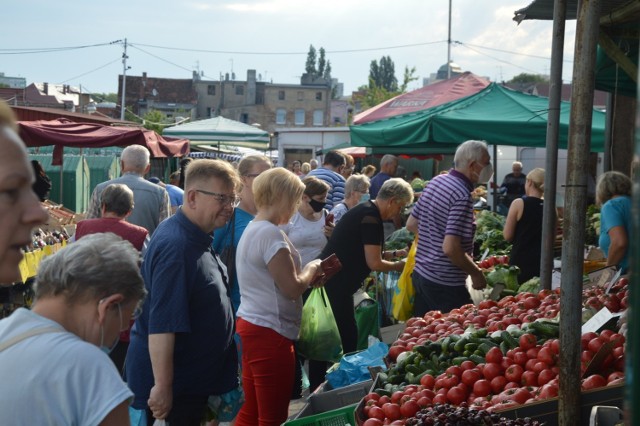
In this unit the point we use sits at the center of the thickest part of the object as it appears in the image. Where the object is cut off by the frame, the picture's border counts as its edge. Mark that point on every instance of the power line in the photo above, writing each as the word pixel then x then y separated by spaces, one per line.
pixel 159 58
pixel 498 59
pixel 89 72
pixel 26 51
pixel 507 51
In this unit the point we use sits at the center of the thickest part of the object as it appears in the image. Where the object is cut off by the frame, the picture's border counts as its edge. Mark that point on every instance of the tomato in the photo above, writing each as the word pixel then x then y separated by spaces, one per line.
pixel 530 364
pixel 529 378
pixel 409 408
pixel 491 370
pixel 511 385
pixel 467 365
pixel 546 355
pixel 395 397
pixel 470 377
pixel 376 412
pixel 372 396
pixel 555 346
pixel 514 373
pixel 497 384
pixel 586 356
pixel 520 358
pixel 595 344
pixel 373 422
pixel 586 337
pixel 618 338
pixel 545 376
pixel 423 402
pixel 521 395
pixel 615 376
pixel 456 395
pixel 427 381
pixel 394 351
pixel 487 304
pixel 383 400
pixel 494 355
pixel 533 352
pixel 594 381
pixel 391 411
pixel 456 370
pixel 549 391
pixel 482 387
pixel 440 399
pixel 528 341
pixel 539 366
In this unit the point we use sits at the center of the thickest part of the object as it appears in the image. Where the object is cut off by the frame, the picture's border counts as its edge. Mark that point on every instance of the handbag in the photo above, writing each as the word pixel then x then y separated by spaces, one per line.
pixel 319 336
pixel 403 297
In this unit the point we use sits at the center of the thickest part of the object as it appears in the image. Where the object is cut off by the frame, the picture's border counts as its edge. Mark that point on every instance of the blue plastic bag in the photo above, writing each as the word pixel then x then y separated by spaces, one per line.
pixel 353 368
pixel 137 417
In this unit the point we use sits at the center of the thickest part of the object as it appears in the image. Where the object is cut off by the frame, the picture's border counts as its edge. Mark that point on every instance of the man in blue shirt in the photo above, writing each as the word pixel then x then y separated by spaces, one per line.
pixel 182 348
pixel 388 168
pixel 330 171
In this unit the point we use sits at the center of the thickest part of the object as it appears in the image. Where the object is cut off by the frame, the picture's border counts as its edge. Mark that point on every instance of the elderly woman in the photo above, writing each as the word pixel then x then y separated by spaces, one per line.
pixel 116 205
pixel 226 239
pixel 307 230
pixel 523 227
pixel 20 210
pixel 358 241
pixel 613 193
pixel 272 281
pixel 56 353
pixel 356 190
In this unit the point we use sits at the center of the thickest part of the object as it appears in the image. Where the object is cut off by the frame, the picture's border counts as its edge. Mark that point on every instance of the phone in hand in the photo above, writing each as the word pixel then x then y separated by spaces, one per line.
pixel 328 220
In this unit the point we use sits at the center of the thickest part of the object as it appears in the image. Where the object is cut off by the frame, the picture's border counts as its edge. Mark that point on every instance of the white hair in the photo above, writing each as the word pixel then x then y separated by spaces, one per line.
pixel 469 151
pixel 135 158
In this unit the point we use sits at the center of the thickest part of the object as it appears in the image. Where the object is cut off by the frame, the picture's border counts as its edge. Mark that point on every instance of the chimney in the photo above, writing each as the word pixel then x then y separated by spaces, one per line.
pixel 45 88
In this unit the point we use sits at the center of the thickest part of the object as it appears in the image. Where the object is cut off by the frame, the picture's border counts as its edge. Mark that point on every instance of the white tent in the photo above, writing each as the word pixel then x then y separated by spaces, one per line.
pixel 220 131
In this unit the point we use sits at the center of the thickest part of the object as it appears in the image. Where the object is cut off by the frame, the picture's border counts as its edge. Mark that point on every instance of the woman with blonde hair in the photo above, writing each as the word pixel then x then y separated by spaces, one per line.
pixel 272 281
pixel 523 227
pixel 613 193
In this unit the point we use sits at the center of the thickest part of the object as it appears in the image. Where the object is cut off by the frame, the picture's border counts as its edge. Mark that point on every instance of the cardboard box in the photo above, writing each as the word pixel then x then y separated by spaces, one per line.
pixel 390 334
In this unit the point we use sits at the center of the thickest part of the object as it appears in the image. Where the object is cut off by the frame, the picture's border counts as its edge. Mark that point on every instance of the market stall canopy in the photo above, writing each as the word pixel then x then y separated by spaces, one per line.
pixel 63 132
pixel 497 115
pixel 426 97
pixel 220 130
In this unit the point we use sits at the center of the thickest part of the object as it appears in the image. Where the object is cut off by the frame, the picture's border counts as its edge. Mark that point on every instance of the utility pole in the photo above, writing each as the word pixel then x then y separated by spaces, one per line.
pixel 449 45
pixel 124 79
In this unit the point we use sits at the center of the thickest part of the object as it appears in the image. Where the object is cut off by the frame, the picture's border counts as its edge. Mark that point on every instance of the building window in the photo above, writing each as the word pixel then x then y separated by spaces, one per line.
pixel 301 96
pixel 281 116
pixel 299 117
pixel 281 95
pixel 244 118
pixel 240 90
pixel 318 116
pixel 318 96
pixel 211 89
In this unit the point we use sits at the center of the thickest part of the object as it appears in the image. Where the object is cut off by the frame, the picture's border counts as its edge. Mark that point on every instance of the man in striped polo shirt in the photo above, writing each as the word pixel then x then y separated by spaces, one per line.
pixel 443 219
pixel 332 165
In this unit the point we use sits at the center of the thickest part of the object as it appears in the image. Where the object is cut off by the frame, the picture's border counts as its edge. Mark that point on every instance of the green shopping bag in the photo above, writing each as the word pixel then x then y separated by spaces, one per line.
pixel 319 336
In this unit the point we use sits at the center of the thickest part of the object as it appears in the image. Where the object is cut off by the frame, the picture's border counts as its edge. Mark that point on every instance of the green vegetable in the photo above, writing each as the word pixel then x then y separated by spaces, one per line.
pixel 489 226
pixel 530 286
pixel 400 239
pixel 504 274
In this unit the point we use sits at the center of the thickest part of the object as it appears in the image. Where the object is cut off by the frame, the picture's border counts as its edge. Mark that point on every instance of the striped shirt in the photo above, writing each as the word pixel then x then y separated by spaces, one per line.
pixel 444 208
pixel 336 184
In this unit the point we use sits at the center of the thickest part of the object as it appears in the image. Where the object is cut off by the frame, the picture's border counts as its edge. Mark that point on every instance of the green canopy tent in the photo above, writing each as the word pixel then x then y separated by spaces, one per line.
pixel 496 114
pixel 221 131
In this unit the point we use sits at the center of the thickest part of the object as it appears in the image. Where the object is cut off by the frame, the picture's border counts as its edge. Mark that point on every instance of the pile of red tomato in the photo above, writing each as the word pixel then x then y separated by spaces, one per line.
pixel 492 261
pixel 617 300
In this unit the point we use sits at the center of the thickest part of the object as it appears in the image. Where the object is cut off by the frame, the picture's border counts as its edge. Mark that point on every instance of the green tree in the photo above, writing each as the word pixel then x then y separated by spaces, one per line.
pixel 310 66
pixel 322 62
pixel 153 120
pixel 383 74
pixel 105 97
pixel 524 78
pixel 327 71
pixel 409 76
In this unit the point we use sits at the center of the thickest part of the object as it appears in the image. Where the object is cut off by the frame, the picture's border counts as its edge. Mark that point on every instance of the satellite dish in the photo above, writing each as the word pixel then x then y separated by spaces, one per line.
pixel 154 92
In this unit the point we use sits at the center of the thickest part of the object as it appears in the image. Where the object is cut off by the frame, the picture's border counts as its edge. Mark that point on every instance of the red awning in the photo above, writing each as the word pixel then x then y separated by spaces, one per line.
pixel 63 132
pixel 426 97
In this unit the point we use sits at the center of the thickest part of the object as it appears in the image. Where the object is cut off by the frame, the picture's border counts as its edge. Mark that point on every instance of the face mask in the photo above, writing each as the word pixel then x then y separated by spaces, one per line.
pixel 317 206
pixel 485 174
pixel 109 349
pixel 364 198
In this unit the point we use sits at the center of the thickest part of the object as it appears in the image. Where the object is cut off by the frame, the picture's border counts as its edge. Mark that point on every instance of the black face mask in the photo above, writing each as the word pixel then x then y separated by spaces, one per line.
pixel 317 206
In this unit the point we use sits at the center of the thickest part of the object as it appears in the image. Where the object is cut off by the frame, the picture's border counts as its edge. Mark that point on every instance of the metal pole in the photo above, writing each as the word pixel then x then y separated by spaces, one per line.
pixel 551 161
pixel 632 390
pixel 576 204
pixel 449 45
pixel 608 133
pixel 124 80
pixel 494 190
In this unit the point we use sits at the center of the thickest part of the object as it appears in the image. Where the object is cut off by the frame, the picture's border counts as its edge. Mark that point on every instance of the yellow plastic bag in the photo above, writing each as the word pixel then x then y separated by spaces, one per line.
pixel 402 302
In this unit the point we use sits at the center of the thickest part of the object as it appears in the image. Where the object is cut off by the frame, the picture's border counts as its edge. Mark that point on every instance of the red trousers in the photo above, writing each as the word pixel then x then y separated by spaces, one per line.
pixel 268 361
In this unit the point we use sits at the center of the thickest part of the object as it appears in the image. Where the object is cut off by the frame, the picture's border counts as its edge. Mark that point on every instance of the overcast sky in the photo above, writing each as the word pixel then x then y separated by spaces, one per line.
pixel 172 38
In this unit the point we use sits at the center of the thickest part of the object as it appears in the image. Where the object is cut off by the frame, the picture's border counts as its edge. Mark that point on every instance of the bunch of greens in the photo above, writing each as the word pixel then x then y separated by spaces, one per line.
pixel 504 274
pixel 400 239
pixel 489 226
pixel 593 225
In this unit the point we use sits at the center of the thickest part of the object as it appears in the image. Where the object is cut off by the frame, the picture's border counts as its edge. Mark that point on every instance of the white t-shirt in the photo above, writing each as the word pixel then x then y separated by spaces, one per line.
pixel 55 378
pixel 307 236
pixel 261 302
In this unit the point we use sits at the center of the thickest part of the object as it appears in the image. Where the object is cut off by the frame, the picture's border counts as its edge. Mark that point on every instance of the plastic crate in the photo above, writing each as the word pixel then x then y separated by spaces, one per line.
pixel 341 417
pixel 330 399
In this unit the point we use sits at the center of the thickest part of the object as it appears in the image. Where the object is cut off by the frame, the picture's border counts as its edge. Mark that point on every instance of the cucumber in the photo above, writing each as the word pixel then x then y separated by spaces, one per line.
pixel 504 348
pixel 422 350
pixel 509 340
pixel 382 392
pixel 459 360
pixel 546 328
pixel 413 370
pixel 477 359
pixel 459 346
pixel 445 344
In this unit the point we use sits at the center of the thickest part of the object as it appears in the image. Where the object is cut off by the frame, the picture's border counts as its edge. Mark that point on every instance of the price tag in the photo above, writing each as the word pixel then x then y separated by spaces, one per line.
pixel 614 280
pixel 484 255
pixel 596 322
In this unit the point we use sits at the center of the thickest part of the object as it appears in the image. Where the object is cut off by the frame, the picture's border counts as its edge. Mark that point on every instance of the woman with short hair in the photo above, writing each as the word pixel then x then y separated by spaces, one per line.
pixel 272 281
pixel 356 190
pixel 613 193
pixel 56 353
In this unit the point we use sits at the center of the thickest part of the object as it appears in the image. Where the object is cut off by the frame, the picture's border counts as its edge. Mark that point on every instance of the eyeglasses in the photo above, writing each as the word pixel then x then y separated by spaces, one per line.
pixel 224 199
